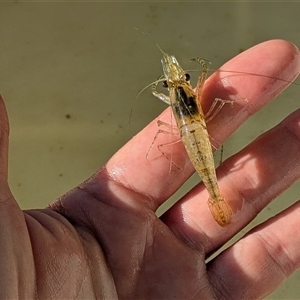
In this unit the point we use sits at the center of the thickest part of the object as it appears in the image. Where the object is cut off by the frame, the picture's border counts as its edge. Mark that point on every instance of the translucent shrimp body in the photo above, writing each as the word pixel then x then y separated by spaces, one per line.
pixel 193 131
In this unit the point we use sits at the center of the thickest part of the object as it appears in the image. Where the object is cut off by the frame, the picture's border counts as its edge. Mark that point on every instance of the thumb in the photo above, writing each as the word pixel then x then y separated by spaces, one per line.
pixel 4 132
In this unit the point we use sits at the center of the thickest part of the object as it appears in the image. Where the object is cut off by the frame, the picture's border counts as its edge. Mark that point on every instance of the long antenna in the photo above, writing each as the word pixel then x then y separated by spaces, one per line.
pixel 149 37
pixel 156 81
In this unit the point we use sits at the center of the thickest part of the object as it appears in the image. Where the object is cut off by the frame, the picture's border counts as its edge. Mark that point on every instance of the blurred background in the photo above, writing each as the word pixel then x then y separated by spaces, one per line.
pixel 70 73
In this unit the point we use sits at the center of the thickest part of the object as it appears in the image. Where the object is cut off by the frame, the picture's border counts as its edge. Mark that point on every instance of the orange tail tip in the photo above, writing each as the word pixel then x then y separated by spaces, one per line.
pixel 220 210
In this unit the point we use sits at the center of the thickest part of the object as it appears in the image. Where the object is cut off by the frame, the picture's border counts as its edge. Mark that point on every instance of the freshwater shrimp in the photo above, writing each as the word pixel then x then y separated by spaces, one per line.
pixel 190 119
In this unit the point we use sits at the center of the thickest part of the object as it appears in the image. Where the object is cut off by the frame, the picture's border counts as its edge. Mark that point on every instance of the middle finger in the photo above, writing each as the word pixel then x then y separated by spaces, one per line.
pixel 250 180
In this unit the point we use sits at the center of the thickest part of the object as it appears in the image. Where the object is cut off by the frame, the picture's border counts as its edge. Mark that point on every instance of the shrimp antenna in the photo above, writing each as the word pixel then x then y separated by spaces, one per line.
pixel 149 37
pixel 160 79
pixel 255 74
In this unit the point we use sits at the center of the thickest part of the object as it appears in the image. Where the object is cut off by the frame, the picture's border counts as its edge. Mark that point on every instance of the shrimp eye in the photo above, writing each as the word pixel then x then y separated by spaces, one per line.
pixel 187 77
pixel 165 84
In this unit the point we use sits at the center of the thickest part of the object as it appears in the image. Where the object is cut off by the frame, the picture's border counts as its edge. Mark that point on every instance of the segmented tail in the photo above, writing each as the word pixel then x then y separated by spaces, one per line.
pixel 220 210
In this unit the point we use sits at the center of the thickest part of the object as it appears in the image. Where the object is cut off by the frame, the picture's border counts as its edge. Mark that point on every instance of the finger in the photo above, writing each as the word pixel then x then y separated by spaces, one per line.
pixel 9 208
pixel 258 263
pixel 14 238
pixel 10 214
pixel 152 179
pixel 249 180
pixel 4 132
pixel 264 59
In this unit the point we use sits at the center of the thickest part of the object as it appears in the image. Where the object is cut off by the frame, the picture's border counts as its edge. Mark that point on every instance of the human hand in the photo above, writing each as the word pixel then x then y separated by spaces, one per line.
pixel 103 240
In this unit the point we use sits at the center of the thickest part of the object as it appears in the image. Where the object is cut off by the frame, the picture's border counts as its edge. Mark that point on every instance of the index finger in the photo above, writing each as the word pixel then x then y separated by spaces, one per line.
pixel 152 179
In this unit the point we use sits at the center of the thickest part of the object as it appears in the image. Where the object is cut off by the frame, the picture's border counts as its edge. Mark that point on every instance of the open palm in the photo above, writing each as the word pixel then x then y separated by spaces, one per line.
pixel 103 240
